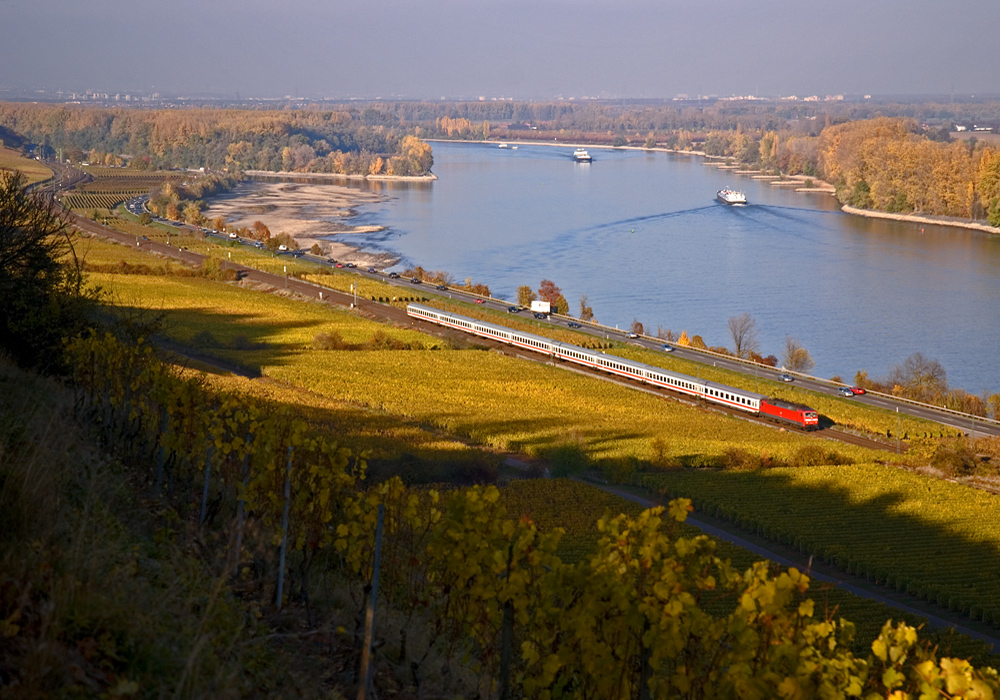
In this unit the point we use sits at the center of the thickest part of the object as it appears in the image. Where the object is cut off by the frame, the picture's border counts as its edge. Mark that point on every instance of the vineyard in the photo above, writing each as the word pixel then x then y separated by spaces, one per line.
pixel 575 507
pixel 650 608
pixel 100 199
pixel 935 540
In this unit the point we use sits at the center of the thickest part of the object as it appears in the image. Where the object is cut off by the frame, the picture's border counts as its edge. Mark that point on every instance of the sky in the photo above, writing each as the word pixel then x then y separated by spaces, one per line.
pixel 520 49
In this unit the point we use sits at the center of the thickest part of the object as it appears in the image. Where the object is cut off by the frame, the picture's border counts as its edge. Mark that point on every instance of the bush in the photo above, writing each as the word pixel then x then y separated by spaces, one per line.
pixel 568 459
pixel 330 340
pixel 957 460
pixel 815 455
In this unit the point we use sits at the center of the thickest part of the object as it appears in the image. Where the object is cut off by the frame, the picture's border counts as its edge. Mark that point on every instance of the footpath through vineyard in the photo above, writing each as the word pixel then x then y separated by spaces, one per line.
pixel 789 557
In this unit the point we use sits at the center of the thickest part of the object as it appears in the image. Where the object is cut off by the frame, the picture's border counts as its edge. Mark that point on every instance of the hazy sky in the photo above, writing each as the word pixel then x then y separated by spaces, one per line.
pixel 525 49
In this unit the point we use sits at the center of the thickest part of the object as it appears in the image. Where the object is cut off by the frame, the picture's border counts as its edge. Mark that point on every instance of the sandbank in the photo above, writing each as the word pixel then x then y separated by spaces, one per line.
pixel 310 213
pixel 918 219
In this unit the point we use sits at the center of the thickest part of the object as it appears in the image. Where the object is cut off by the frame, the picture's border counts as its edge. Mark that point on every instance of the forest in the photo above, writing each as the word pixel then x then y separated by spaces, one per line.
pixel 221 139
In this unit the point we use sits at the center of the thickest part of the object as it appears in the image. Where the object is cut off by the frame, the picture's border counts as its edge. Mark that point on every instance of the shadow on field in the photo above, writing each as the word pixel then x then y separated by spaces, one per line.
pixel 868 536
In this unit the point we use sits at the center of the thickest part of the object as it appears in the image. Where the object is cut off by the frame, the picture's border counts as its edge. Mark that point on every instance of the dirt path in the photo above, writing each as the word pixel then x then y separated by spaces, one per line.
pixel 818 571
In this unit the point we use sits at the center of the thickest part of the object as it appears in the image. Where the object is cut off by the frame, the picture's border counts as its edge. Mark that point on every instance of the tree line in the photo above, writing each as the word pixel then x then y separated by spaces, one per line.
pixel 221 139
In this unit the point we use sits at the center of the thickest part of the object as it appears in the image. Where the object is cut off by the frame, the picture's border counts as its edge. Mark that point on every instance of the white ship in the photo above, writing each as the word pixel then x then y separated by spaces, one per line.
pixel 503 145
pixel 729 196
pixel 580 155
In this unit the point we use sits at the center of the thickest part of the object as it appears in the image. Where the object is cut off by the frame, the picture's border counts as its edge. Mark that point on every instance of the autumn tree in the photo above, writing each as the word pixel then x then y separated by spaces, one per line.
pixel 548 291
pixel 796 358
pixel 920 378
pixel 525 295
pixel 637 327
pixel 259 231
pixel 743 329
pixel 418 153
pixel 586 312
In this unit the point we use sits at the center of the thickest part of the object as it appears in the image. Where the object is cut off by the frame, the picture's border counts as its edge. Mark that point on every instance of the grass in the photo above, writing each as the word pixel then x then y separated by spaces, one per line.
pixel 34 170
pixel 92 604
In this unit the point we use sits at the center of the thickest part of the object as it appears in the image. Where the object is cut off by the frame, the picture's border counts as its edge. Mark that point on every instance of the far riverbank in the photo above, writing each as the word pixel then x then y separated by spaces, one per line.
pixel 917 219
pixel 796 182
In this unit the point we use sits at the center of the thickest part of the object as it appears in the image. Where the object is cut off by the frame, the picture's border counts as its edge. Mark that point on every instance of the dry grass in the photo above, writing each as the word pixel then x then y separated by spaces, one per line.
pixel 33 169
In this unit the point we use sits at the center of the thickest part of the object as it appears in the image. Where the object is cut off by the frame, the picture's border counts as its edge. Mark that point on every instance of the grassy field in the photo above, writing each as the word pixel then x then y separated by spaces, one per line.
pixel 34 170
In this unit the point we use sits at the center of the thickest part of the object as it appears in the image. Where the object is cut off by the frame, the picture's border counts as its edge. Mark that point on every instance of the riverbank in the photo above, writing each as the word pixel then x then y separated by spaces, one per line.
pixel 310 213
pixel 291 175
pixel 918 219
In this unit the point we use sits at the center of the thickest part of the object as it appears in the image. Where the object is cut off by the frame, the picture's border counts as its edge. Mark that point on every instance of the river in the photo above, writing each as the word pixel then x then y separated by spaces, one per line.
pixel 641 234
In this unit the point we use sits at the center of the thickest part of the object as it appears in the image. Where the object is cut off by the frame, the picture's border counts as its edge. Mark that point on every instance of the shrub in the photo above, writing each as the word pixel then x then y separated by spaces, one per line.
pixel 954 460
pixel 330 340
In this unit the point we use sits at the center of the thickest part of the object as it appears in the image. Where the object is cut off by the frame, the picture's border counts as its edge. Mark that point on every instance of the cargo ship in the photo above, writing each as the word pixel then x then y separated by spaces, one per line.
pixel 728 196
pixel 580 155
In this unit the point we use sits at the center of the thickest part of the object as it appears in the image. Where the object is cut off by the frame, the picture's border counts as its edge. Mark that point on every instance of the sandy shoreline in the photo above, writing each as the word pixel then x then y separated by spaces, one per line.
pixel 310 213
pixel 917 219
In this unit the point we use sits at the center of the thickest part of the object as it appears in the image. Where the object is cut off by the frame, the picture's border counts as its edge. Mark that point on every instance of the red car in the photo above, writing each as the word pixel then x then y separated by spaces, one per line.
pixel 857 390
pixel 480 301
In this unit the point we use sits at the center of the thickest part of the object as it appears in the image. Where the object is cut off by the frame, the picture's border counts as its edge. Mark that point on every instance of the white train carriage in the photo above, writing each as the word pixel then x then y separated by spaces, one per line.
pixel 739 399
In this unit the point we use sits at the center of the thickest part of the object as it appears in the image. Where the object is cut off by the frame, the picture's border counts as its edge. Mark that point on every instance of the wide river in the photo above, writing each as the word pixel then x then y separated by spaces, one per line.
pixel 642 236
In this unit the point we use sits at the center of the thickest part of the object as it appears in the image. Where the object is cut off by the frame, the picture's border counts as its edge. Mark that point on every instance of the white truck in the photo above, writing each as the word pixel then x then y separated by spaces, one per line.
pixel 542 307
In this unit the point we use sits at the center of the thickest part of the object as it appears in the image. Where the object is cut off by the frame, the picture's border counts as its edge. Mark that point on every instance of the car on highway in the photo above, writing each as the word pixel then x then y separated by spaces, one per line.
pixel 233 235
pixel 667 348
pixel 339 265
pixel 539 314
pixel 573 324
pixel 858 390
pixel 394 275
pixel 351 265
pixel 442 287
pixel 845 391
pixel 480 301
pixel 371 270
pixel 632 334
pixel 786 378
pixel 415 280
pixel 512 309
pixel 282 247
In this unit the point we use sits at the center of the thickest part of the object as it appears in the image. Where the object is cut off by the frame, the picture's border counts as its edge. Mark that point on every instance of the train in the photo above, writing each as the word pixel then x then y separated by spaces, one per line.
pixel 769 408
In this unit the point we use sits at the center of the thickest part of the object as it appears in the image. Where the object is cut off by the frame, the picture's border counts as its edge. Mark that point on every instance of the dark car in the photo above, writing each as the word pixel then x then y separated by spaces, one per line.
pixel 351 265
pixel 512 309
pixel 539 314
pixel 415 280
pixel 574 324
pixel 394 275
pixel 442 287
pixel 371 270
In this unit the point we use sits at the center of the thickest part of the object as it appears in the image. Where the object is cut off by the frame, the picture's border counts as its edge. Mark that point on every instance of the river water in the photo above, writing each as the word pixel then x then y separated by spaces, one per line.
pixel 642 236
